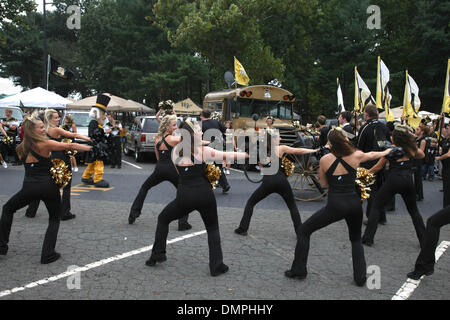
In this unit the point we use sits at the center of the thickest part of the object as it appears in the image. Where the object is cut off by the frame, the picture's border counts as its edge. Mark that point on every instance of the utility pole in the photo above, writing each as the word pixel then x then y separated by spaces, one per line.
pixel 45 82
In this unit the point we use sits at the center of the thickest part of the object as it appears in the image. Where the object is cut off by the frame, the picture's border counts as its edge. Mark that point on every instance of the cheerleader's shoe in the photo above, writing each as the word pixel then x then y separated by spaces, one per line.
pixel 3 250
pixel 75 169
pixel 240 231
pixel 4 165
pixel 68 216
pixel 151 262
pixel 291 274
pixel 221 270
pixel 416 275
pixel 52 258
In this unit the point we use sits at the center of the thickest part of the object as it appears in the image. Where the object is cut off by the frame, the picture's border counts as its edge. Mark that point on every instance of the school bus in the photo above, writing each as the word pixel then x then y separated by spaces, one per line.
pixel 240 104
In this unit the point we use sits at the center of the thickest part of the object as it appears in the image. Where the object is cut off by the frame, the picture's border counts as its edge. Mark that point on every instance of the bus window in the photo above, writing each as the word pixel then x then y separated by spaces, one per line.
pixel 277 109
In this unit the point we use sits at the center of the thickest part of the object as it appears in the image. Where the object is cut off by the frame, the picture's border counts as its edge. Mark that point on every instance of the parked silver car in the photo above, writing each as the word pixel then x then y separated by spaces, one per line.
pixel 140 138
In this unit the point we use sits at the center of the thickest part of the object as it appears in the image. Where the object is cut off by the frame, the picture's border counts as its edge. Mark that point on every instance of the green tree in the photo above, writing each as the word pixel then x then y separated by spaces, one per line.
pixel 219 30
pixel 11 10
pixel 21 51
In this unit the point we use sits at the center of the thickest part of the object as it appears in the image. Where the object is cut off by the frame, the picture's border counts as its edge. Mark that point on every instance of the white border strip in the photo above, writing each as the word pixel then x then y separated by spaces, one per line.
pixel 410 285
pixel 94 265
pixel 132 164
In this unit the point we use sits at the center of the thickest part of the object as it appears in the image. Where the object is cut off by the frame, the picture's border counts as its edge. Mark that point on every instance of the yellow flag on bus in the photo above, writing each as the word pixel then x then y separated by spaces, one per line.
pixel 240 74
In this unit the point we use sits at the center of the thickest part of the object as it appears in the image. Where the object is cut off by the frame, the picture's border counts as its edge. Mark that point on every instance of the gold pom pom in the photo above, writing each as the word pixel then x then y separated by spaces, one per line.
pixel 364 179
pixel 212 173
pixel 70 153
pixel 288 166
pixel 8 140
pixel 60 173
pixel 216 116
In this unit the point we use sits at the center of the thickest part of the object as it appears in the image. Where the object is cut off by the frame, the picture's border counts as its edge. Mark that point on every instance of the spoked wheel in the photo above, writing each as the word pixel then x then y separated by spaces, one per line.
pixel 304 182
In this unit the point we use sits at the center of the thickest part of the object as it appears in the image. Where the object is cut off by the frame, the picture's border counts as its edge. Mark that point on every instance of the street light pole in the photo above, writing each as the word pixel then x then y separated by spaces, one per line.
pixel 45 51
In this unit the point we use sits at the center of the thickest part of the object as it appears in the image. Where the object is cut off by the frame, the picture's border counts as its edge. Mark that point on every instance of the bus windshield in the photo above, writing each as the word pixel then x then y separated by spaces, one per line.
pixel 277 109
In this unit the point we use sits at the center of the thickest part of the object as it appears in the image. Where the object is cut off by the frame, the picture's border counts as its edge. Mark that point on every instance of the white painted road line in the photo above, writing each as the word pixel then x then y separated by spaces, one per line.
pixel 132 164
pixel 410 285
pixel 94 265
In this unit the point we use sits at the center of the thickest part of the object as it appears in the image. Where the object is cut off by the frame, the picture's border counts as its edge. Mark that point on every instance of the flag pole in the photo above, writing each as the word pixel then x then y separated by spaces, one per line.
pixel 337 84
pixel 48 70
pixel 235 80
pixel 356 101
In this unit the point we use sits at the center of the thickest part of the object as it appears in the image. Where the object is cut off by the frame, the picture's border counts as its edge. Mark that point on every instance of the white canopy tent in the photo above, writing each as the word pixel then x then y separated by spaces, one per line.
pixel 115 104
pixel 35 98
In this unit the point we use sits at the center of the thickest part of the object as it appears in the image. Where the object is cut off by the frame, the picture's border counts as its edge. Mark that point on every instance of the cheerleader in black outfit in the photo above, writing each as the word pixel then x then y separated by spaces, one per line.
pixel 337 172
pixel 399 181
pixel 194 193
pixel 34 152
pixel 426 259
pixel 51 120
pixel 164 170
pixel 274 183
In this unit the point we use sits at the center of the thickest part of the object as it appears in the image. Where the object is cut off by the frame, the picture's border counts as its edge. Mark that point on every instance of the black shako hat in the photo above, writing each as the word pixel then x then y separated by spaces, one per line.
pixel 102 102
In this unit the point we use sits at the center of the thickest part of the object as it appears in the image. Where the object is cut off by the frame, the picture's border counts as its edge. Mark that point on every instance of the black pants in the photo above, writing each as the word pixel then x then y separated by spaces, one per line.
pixel 418 184
pixel 446 185
pixel 390 205
pixel 277 183
pixel 340 206
pixel 116 154
pixel 162 172
pixel 403 184
pixel 223 182
pixel 426 259
pixel 65 200
pixel 46 191
pixel 192 197
pixel 373 192
pixel 8 151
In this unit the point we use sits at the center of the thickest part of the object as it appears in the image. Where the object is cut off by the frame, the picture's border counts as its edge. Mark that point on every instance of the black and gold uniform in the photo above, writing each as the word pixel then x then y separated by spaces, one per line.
pixel 194 193
pixel 65 200
pixel 37 185
pixel 164 171
pixel 276 183
pixel 101 149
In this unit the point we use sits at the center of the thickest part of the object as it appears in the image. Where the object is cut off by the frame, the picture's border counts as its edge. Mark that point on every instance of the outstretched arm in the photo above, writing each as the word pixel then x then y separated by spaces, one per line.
pixel 212 154
pixel 370 156
pixel 69 134
pixel 291 150
pixel 60 146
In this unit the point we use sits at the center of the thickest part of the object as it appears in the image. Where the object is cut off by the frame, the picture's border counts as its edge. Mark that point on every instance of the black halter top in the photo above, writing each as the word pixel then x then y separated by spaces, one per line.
pixel 37 171
pixel 164 155
pixel 343 183
pixel 193 174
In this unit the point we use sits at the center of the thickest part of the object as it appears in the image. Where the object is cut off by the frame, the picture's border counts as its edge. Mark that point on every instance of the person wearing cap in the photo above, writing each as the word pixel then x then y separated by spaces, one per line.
pixel 100 150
